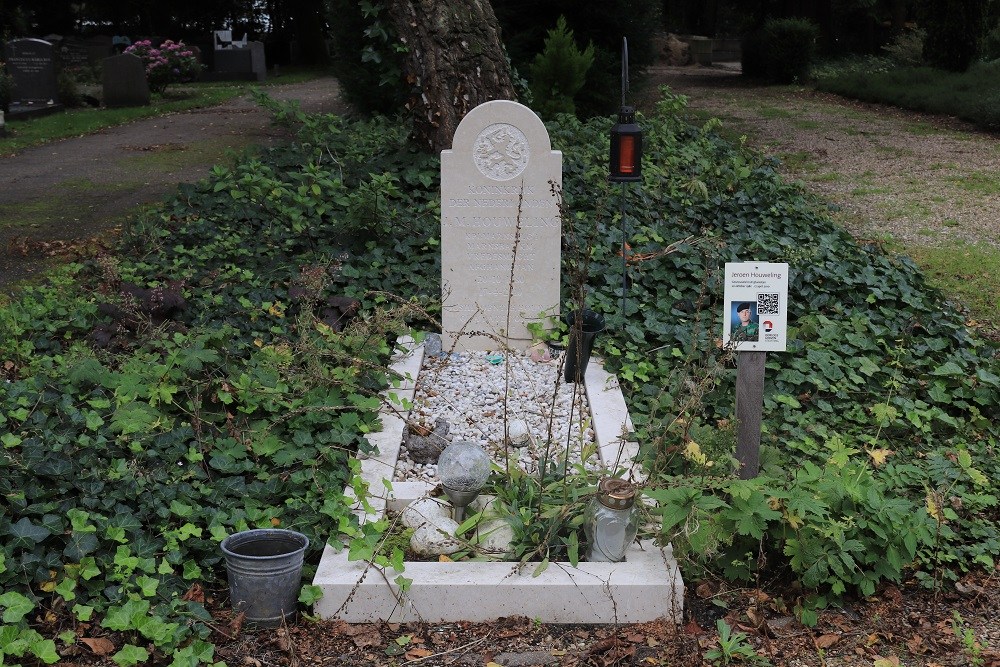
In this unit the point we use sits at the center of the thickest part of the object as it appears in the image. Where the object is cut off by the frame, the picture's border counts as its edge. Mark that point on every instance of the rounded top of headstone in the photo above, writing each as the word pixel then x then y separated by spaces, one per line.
pixel 504 113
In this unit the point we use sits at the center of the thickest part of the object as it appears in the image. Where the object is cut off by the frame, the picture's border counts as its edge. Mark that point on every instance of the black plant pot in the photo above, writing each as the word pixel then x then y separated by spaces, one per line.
pixel 581 342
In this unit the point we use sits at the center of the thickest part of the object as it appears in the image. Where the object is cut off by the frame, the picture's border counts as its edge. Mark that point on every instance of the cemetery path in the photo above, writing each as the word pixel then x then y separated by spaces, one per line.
pixel 76 190
pixel 916 179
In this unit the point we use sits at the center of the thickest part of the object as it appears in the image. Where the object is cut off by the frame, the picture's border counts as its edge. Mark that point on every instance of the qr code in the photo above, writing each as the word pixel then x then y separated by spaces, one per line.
pixel 767 304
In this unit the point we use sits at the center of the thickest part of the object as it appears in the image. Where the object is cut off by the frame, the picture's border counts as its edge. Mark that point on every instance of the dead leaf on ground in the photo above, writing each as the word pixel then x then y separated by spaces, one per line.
pixel 893 594
pixel 916 645
pixel 891 661
pixel 705 590
pixel 364 636
pixel 194 594
pixel 692 628
pixel 99 645
pixel 417 653
pixel 236 624
pixel 826 641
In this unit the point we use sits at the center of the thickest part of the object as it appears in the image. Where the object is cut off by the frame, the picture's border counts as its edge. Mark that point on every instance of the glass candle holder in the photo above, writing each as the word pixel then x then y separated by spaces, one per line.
pixel 611 521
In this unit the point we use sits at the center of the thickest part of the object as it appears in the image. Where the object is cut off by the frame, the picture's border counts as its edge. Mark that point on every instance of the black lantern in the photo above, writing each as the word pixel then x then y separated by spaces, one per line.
pixel 626 148
pixel 626 137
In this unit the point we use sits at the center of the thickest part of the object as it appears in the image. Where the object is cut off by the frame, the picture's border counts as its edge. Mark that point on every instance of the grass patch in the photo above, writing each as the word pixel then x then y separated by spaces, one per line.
pixel 77 122
pixel 173 157
pixel 977 183
pixel 968 274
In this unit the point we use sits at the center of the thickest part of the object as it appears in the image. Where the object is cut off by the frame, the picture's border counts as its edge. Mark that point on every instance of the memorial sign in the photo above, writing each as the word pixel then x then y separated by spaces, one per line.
pixel 756 296
pixel 499 223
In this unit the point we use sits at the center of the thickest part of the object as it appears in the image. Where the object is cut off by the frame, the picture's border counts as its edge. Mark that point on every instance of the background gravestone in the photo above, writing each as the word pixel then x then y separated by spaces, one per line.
pixel 501 149
pixel 124 79
pixel 31 63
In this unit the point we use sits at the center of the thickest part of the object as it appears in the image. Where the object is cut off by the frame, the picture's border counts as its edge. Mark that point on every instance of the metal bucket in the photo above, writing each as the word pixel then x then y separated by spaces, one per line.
pixel 265 572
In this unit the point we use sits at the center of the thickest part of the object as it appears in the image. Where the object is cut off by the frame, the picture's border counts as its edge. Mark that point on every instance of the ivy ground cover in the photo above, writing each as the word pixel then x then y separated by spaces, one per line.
pixel 220 372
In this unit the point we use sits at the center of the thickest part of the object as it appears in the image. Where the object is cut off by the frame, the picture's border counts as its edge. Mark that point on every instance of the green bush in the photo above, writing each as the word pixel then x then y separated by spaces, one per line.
pixel 908 47
pixel 991 45
pixel 559 71
pixel 69 93
pixel 782 51
pixel 366 59
pixel 602 24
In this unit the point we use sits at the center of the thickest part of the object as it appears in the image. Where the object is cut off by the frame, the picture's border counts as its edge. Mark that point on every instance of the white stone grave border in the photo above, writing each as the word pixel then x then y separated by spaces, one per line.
pixel 646 586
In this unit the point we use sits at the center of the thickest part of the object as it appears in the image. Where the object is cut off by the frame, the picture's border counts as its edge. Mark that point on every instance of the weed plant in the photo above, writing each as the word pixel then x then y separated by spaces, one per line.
pixel 124 466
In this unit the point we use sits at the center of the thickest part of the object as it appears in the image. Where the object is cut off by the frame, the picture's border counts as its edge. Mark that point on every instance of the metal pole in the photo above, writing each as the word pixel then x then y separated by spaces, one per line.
pixel 624 256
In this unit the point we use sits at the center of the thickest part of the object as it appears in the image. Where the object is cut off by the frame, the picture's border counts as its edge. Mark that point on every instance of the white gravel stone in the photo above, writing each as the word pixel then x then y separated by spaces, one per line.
pixel 425 510
pixel 468 391
pixel 495 536
pixel 437 539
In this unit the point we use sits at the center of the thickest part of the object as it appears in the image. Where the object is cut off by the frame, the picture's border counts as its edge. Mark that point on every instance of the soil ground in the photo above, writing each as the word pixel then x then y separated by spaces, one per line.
pixel 900 625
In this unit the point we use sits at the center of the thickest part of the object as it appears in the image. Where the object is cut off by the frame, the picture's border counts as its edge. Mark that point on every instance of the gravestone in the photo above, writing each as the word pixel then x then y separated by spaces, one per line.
pixel 497 184
pixel 124 80
pixel 31 63
pixel 244 63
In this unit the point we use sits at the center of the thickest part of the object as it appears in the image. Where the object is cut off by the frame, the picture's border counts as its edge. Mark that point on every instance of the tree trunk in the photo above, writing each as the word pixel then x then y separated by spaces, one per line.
pixel 454 62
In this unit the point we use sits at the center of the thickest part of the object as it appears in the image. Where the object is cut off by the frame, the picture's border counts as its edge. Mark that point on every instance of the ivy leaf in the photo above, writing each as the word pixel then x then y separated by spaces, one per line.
pixel 26 534
pixel 310 594
pixel 45 650
pixel 16 606
pixel 130 655
pixel 80 544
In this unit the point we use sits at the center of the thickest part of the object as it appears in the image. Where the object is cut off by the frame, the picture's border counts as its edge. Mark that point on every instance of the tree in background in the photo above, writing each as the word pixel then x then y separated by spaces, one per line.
pixel 454 61
pixel 559 71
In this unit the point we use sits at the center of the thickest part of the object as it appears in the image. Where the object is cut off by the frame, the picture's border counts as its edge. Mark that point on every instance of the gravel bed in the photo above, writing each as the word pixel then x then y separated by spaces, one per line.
pixel 468 389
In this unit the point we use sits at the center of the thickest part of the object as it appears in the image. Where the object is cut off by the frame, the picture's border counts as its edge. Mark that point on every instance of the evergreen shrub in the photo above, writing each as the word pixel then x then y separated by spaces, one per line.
pixel 782 51
pixel 559 71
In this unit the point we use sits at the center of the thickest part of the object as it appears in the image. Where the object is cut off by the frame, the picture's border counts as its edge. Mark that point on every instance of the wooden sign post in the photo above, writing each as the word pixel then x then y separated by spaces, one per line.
pixel 755 323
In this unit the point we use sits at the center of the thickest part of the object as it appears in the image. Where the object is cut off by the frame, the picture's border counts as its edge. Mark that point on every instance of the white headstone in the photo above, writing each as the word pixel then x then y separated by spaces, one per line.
pixel 497 182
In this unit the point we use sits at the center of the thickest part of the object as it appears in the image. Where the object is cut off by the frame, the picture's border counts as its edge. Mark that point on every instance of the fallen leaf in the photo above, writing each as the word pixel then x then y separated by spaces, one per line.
pixel 236 624
pixel 417 653
pixel 558 652
pixel 366 636
pixel 704 590
pixel 692 628
pixel 916 644
pixel 652 643
pixel 444 559
pixel 893 594
pixel 99 645
pixel 635 637
pixel 826 641
pixel 891 661
pixel 250 661
pixel 194 594
pixel 493 664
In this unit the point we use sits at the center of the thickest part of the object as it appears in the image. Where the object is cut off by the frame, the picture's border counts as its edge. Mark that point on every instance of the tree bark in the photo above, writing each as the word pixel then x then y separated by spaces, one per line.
pixel 454 62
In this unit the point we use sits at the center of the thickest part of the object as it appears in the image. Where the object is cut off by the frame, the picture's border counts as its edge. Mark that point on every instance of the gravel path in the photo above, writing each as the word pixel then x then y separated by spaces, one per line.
pixel 83 187
pixel 917 178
